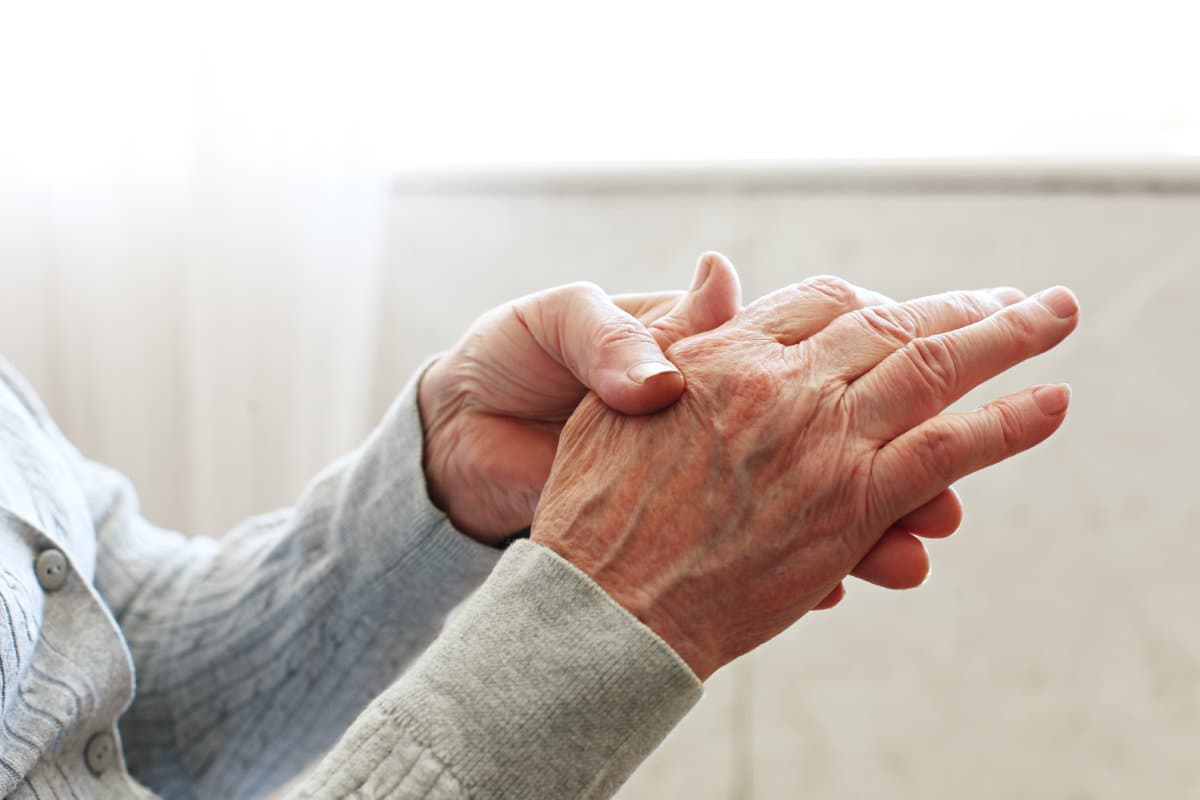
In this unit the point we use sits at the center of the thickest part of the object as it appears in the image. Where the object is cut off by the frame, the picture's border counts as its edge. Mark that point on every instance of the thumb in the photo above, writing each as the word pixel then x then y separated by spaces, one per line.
pixel 605 347
pixel 637 380
pixel 713 299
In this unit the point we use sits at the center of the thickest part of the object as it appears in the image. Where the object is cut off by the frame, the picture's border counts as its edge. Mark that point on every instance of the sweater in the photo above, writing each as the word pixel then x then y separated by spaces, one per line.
pixel 136 662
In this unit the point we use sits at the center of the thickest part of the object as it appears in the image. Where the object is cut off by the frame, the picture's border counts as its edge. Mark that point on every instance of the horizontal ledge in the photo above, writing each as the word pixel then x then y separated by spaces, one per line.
pixel 937 176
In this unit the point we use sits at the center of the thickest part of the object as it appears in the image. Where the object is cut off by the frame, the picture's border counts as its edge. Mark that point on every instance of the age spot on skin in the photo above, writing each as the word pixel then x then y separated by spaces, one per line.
pixel 752 392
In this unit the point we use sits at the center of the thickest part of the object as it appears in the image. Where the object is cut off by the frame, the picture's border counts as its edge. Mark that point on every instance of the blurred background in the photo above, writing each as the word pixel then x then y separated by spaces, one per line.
pixel 230 232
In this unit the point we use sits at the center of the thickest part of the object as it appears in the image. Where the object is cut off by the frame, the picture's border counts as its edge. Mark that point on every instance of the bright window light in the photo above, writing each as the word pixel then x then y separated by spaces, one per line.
pixel 426 84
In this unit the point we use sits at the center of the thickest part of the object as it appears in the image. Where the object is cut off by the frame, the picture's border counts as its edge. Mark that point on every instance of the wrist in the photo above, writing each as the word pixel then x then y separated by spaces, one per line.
pixel 437 443
pixel 648 603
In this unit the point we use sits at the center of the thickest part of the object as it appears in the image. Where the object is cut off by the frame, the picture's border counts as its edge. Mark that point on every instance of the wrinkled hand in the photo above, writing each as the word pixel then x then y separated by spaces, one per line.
pixel 804 433
pixel 493 407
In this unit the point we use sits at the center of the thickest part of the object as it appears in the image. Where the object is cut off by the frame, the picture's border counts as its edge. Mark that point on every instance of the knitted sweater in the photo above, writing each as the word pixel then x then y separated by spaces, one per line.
pixel 303 636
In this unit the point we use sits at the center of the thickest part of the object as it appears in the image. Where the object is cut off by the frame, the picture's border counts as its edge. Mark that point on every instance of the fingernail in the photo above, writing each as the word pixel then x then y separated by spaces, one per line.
pixel 703 270
pixel 645 370
pixel 1060 301
pixel 1052 399
pixel 1008 294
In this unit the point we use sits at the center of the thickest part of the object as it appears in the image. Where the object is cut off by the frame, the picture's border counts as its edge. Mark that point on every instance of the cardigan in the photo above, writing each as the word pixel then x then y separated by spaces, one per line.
pixel 136 662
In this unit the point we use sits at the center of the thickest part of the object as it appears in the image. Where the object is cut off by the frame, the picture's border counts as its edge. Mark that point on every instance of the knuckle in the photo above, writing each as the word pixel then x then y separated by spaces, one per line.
pixel 838 291
pixel 938 449
pixel 1022 330
pixel 893 324
pixel 615 332
pixel 696 350
pixel 975 306
pixel 579 290
pixel 934 361
pixel 1009 425
pixel 983 304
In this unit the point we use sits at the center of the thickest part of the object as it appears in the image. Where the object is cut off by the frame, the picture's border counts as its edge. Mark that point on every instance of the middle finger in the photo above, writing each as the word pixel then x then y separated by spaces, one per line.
pixel 921 379
pixel 854 343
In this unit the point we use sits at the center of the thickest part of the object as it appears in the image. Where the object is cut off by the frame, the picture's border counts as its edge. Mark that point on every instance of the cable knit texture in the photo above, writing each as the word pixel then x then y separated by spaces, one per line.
pixel 254 654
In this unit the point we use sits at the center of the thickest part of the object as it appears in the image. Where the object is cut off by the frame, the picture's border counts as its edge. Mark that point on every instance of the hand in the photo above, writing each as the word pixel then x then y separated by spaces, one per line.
pixel 492 408
pixel 802 436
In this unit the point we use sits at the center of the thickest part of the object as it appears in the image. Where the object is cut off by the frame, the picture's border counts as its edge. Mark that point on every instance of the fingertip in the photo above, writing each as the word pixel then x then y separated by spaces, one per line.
pixel 644 371
pixel 1060 300
pixel 723 283
pixel 644 388
pixel 898 560
pixel 1052 399
pixel 937 519
pixel 713 299
pixel 921 567
pixel 832 599
pixel 704 267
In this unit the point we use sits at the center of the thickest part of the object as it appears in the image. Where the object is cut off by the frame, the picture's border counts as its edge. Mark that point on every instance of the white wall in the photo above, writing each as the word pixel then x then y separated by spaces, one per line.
pixel 1053 654
pixel 1055 651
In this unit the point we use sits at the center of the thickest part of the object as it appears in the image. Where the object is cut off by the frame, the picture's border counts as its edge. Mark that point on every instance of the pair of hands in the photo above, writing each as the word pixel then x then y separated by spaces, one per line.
pixel 493 408
pixel 811 433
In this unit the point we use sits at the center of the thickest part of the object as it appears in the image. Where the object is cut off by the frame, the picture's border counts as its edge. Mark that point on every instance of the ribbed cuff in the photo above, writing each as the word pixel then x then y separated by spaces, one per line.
pixel 390 511
pixel 543 686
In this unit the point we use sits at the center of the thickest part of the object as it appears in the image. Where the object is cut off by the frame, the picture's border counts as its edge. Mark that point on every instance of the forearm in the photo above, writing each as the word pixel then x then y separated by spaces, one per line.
pixel 541 687
pixel 255 652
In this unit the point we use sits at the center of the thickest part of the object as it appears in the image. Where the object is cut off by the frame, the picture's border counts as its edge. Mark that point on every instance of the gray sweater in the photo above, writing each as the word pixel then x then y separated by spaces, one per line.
pixel 303 636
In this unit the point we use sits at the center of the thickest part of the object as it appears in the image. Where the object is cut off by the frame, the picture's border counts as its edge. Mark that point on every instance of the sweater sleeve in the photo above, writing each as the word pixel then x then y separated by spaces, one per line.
pixel 541 687
pixel 255 652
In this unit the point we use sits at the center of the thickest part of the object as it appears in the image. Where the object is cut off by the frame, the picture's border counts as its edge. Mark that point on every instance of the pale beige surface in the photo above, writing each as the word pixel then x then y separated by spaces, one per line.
pixel 1055 652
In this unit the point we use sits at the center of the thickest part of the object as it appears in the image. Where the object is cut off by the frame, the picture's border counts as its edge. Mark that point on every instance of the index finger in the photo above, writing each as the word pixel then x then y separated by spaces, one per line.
pixel 925 376
pixel 857 342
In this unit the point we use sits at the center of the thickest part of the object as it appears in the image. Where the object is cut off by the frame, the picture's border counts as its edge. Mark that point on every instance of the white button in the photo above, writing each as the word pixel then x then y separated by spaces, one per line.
pixel 51 569
pixel 101 752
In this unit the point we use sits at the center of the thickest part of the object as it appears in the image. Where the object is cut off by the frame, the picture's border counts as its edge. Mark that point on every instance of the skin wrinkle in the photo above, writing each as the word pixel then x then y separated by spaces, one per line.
pixel 553 336
pixel 519 371
pixel 789 458
pixel 735 512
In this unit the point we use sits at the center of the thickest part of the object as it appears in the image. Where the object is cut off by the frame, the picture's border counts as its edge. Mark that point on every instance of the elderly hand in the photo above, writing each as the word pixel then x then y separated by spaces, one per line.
pixel 492 408
pixel 804 433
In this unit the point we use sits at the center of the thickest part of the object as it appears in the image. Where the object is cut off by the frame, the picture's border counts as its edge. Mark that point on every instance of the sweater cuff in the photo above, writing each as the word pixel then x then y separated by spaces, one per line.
pixel 386 504
pixel 543 686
